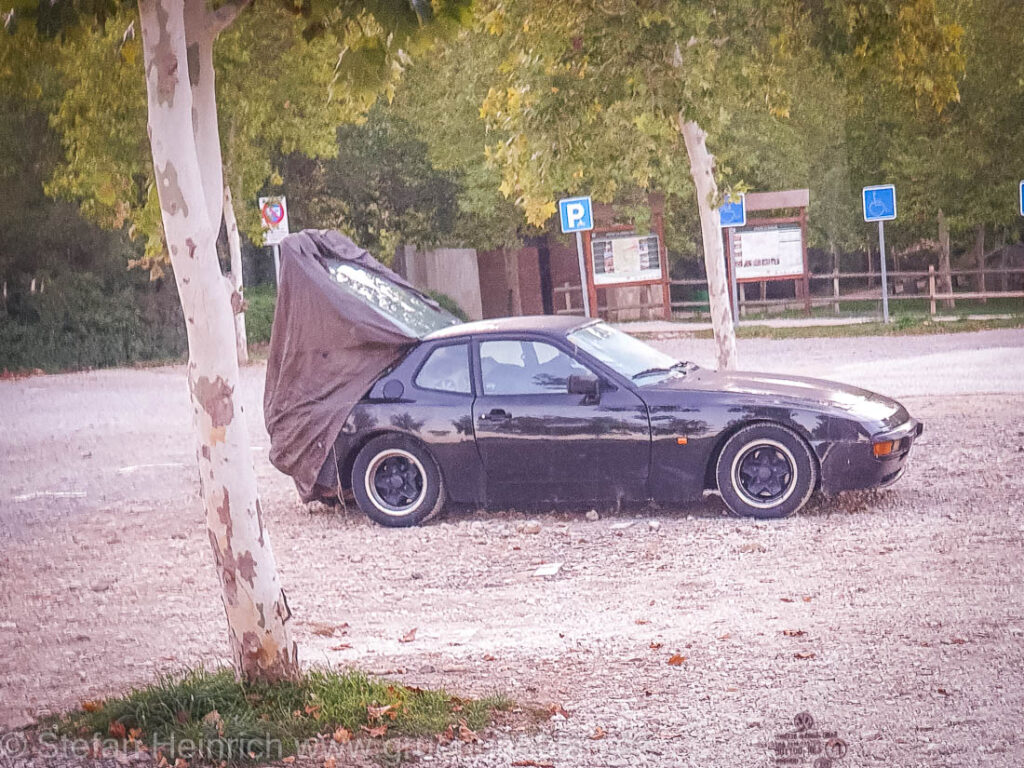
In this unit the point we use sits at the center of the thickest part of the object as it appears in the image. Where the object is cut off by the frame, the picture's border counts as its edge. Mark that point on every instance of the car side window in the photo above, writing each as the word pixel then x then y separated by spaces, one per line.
pixel 510 367
pixel 446 369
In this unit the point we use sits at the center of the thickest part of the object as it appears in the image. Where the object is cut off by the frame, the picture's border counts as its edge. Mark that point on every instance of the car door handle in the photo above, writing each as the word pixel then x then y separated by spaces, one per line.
pixel 496 414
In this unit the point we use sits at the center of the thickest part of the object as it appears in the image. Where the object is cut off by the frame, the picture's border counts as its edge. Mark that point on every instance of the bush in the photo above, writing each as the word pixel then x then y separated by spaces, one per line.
pixel 259 313
pixel 448 303
pixel 82 321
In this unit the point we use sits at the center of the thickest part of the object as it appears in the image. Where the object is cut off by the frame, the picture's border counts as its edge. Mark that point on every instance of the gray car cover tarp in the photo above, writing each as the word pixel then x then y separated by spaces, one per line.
pixel 326 349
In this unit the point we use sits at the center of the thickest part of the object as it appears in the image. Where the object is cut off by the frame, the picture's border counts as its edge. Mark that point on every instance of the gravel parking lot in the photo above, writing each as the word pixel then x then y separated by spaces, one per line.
pixel 895 618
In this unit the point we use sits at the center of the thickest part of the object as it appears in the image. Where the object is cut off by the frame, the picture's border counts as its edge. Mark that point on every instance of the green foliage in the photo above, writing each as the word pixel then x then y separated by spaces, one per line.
pixel 277 93
pixel 380 188
pixel 216 711
pixel 83 321
pixel 259 313
pixel 449 304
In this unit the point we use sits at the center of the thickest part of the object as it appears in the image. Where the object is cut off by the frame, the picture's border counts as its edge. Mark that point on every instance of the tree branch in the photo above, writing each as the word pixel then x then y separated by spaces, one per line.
pixel 223 17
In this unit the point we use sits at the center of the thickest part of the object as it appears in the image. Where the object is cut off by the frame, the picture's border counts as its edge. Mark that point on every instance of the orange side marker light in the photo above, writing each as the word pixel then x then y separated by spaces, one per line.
pixel 680 441
pixel 884 448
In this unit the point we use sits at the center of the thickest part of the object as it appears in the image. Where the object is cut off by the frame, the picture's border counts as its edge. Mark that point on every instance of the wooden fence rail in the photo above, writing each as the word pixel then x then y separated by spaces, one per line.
pixel 925 285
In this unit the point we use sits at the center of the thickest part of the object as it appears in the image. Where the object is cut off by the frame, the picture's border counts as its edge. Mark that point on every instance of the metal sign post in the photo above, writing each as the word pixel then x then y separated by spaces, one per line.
pixel 880 205
pixel 730 215
pixel 274 218
pixel 577 215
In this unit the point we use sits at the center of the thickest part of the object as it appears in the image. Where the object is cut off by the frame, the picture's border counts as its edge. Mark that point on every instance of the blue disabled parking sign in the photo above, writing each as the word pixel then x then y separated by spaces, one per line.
pixel 733 214
pixel 880 202
pixel 576 213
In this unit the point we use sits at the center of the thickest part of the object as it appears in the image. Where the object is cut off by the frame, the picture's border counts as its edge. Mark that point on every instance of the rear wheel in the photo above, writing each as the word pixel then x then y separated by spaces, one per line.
pixel 396 481
pixel 766 471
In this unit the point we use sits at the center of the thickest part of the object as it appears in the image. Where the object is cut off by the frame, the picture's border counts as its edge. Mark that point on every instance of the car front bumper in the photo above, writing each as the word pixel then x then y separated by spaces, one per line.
pixel 849 466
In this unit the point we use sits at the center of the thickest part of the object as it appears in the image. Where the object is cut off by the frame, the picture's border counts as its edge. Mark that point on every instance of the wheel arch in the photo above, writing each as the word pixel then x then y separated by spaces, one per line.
pixel 710 483
pixel 346 463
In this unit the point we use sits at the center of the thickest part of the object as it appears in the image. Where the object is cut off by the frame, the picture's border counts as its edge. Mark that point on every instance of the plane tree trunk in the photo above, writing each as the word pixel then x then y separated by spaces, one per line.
pixel 702 168
pixel 177 37
pixel 237 299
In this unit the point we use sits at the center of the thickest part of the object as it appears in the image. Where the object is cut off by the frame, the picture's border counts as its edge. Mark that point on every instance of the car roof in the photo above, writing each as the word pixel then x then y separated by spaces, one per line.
pixel 554 325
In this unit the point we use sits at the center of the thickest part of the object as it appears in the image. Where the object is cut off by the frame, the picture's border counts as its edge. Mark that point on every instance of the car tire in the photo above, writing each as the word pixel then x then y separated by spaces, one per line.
pixel 766 471
pixel 396 481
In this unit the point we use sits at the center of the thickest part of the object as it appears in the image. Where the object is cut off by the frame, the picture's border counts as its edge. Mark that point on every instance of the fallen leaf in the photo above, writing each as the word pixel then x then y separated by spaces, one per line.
pixel 726 636
pixel 377 732
pixel 408 637
pixel 183 763
pixel 376 713
pixel 675 660
pixel 489 657
pixel 330 762
pixel 599 733
pixel 288 760
pixel 465 734
pixel 655 646
pixel 92 706
pixel 342 735
pixel 807 599
pixel 793 632
pixel 117 729
pixel 340 647
pixel 643 621
pixel 957 641
pixel 804 655
pixel 558 709
pixel 943 691
pixel 786 599
pixel 313 710
pixel 446 736
pixel 533 764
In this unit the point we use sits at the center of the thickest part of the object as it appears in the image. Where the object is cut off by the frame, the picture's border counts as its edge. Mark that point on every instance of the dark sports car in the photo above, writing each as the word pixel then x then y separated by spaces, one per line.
pixel 530 410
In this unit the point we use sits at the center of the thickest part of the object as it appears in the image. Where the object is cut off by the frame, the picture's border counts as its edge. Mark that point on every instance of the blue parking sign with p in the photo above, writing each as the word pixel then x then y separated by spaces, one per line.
pixel 576 214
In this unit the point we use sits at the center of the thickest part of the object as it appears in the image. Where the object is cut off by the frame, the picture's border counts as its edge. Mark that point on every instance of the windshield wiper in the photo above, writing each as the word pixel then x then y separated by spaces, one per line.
pixel 649 371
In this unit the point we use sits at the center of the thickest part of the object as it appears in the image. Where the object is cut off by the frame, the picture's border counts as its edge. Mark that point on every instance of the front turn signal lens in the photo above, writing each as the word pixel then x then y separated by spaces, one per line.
pixel 884 448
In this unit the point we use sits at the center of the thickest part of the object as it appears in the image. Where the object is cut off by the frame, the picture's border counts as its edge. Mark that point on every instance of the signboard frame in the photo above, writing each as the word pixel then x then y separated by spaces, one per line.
pixel 657 228
pixel 772 201
pixel 274 231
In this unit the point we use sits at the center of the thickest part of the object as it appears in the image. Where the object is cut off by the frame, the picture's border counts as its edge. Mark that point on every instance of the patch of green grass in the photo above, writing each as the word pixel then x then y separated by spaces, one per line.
pixel 212 715
pixel 901 325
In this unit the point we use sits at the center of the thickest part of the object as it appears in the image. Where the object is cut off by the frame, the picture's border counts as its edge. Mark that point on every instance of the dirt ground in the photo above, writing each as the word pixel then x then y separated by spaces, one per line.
pixel 896 619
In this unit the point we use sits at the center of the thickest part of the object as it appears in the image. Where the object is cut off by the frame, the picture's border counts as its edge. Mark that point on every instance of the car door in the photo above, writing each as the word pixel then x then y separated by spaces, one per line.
pixel 538 442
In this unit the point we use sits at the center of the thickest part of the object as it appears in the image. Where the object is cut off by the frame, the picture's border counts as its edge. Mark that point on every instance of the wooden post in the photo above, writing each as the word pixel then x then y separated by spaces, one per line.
pixel 805 283
pixel 658 220
pixel 588 261
pixel 835 290
pixel 931 289
pixel 568 298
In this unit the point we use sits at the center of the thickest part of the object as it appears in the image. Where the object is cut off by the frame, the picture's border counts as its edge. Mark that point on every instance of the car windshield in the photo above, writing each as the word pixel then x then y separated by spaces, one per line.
pixel 398 304
pixel 626 354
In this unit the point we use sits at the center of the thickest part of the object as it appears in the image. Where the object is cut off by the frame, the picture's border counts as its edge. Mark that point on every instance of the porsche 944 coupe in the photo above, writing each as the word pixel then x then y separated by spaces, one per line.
pixel 373 388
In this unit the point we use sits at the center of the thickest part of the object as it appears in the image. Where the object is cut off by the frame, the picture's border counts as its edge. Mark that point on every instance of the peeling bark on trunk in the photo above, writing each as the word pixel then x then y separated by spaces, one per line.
pixel 979 258
pixel 702 169
pixel 256 608
pixel 235 287
pixel 945 279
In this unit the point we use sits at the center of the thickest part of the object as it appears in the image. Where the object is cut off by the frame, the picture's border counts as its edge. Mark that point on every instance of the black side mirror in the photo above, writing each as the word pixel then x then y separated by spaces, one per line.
pixel 585 385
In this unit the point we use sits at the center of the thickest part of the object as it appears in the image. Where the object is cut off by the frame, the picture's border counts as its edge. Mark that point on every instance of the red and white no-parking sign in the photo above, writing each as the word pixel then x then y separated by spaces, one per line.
pixel 274 218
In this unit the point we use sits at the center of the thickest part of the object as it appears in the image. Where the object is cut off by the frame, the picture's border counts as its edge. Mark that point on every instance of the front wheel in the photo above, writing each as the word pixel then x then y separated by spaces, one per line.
pixel 396 481
pixel 766 471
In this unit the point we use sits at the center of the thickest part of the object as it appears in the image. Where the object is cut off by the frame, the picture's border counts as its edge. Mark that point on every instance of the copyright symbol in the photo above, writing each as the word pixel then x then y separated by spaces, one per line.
pixel 13 744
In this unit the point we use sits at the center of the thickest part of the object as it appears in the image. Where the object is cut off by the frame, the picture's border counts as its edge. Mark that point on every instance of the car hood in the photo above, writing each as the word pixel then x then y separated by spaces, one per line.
pixel 768 387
